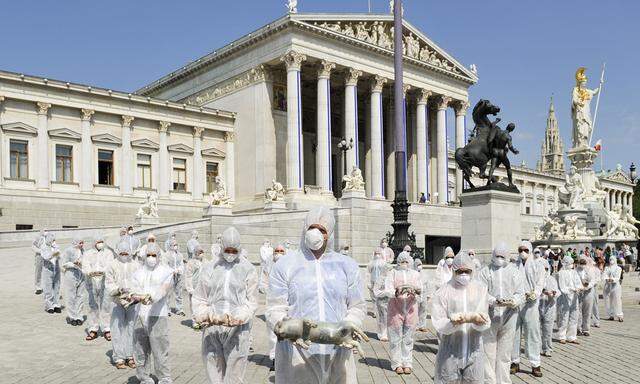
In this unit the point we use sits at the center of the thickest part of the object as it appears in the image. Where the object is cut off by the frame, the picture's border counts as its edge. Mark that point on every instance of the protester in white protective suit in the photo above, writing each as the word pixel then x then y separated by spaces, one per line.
pixel 585 299
pixel 528 323
pixel 37 244
pixel 216 248
pixel 547 309
pixel 266 258
pixel 73 281
pixel 191 279
pixel 387 252
pixel 595 311
pixel 422 303
pixel 506 293
pixel 94 266
pixel 167 243
pixel 404 286
pixel 444 270
pixel 570 287
pixel 151 284
pixel 132 241
pixel 461 316
pixel 174 260
pixel 225 299
pixel 612 290
pixel 318 284
pixel 376 272
pixel 118 283
pixel 278 253
pixel 407 250
pixel 151 238
pixel 476 262
pixel 192 243
pixel 51 274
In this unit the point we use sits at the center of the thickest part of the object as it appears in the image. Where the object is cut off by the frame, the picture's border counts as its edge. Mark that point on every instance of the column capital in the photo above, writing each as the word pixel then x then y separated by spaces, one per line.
pixel 43 108
pixel 442 102
pixel 1 99
pixel 351 76
pixel 197 132
pixel 405 89
pixel 324 69
pixel 293 60
pixel 229 136
pixel 164 126
pixel 377 82
pixel 127 120
pixel 423 96
pixel 86 114
pixel 461 107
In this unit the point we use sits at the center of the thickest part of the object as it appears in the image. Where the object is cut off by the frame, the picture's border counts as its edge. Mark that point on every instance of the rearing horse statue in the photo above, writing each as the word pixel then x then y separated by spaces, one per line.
pixel 477 153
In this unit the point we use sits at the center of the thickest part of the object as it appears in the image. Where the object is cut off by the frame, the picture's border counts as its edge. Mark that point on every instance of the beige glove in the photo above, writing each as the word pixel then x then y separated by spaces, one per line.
pixel 479 318
pixel 457 318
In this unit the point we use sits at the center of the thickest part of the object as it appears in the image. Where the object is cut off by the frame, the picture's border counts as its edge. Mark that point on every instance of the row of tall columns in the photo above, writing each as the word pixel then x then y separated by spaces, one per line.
pixel 461 112
pixel 163 159
pixel 379 165
pixel 614 197
pixel 196 190
pixel 126 182
pixel 42 178
pixel 86 180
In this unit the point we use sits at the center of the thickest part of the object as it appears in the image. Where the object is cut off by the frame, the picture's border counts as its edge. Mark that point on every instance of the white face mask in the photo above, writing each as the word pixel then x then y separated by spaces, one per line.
pixel 524 255
pixel 54 244
pixel 385 245
pixel 448 261
pixel 151 262
pixel 313 239
pixel 130 232
pixel 499 262
pixel 612 262
pixel 123 258
pixel 230 257
pixel 463 279
pixel 403 266
pixel 100 246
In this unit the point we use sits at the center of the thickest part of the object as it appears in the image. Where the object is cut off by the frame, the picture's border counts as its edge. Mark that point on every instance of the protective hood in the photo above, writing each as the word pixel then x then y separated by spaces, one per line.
pixel 76 241
pixel 463 261
pixel 448 251
pixel 500 250
pixel 404 256
pixel 49 238
pixel 231 239
pixel 566 261
pixel 194 234
pixel 123 247
pixel 320 216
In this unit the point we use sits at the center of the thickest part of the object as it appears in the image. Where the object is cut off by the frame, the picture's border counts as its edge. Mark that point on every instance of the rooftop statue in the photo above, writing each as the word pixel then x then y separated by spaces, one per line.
pixel 490 145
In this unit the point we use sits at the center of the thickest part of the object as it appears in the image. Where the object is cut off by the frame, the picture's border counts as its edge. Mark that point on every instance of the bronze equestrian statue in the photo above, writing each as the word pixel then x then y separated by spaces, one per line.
pixel 489 146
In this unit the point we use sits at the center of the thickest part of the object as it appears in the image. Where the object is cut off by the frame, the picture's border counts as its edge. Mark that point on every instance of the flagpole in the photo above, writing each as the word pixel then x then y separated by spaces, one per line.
pixel 595 113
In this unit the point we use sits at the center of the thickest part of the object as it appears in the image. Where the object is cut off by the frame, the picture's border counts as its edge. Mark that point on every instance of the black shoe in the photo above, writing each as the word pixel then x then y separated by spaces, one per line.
pixel 272 367
pixel 536 371
pixel 50 310
pixel 38 291
pixel 57 310
pixel 515 368
pixel 79 322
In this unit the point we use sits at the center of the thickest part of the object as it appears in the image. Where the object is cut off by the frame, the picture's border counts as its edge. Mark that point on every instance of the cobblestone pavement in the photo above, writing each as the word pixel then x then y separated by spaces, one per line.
pixel 36 347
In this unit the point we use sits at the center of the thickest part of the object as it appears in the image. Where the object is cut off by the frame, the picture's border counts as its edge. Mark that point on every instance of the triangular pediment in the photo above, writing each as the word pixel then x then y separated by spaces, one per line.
pixel 618 175
pixel 106 138
pixel 375 32
pixel 182 148
pixel 20 127
pixel 65 134
pixel 145 144
pixel 213 152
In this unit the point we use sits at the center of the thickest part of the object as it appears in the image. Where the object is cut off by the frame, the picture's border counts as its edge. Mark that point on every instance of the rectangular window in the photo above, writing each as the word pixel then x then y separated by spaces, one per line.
pixel 105 167
pixel 144 170
pixel 64 163
pixel 19 159
pixel 24 227
pixel 212 173
pixel 179 174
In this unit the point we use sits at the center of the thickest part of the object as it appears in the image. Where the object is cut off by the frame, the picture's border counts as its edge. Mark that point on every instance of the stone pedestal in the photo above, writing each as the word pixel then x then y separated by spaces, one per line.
pixel 275 206
pixel 489 217
pixel 216 210
pixel 353 199
pixel 147 221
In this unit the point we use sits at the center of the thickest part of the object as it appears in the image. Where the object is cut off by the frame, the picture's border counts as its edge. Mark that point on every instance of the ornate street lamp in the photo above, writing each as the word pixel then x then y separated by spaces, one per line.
pixel 344 147
pixel 400 236
pixel 632 172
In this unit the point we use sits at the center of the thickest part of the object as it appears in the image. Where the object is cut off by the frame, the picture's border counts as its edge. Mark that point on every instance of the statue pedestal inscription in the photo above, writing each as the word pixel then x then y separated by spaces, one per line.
pixel 489 217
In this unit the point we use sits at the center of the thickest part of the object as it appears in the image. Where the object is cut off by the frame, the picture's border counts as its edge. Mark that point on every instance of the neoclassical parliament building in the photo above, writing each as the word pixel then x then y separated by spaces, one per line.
pixel 271 105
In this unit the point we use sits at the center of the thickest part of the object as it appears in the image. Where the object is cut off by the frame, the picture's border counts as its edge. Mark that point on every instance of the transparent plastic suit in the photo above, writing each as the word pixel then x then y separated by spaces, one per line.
pixel 38 242
pixel 167 243
pixel 226 288
pixel 50 272
pixel 174 260
pixel 151 328
pixel 595 311
pixel 387 252
pixel 376 273
pixel 118 280
pixel 570 285
pixel 504 282
pixel 192 276
pixel 444 272
pixel 588 277
pixel 273 339
pixel 403 312
pixel 460 358
pixel 327 289
pixel 528 324
pixel 547 309
pixel 612 289
pixel 73 280
pixel 94 267
pixel 192 243
pixel 266 259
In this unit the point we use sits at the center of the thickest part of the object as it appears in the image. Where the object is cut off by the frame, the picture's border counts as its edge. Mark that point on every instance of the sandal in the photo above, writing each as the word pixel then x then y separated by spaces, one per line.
pixel 107 335
pixel 91 336
pixel 399 371
pixel 131 363
pixel 120 365
pixel 407 370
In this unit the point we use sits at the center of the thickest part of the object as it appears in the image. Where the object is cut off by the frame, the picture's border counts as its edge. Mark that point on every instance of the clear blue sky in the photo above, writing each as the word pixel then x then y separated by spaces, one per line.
pixel 524 50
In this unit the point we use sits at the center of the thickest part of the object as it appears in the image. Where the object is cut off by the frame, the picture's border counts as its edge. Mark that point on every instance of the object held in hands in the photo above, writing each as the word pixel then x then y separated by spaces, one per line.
pixel 303 332
pixel 407 290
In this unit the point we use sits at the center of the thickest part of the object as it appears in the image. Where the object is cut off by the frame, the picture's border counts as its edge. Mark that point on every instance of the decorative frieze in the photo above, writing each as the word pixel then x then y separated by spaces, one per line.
pixel 254 75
